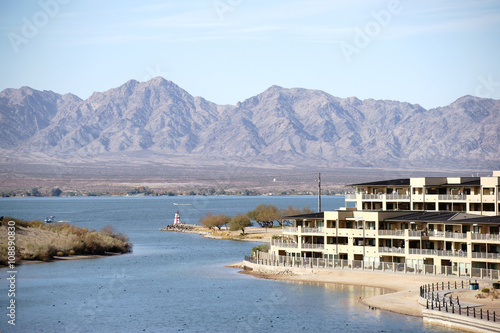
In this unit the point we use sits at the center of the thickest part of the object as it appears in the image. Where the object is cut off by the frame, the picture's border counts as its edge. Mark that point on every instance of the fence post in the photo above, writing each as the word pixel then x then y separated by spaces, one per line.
pixel 488 315
pixel 467 310
pixel 481 313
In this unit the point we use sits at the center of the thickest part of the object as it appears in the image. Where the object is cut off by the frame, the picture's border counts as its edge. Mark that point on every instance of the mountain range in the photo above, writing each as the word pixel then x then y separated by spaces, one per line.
pixel 293 127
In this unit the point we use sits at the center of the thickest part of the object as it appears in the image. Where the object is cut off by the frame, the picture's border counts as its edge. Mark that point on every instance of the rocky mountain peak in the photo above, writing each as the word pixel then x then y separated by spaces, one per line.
pixel 279 126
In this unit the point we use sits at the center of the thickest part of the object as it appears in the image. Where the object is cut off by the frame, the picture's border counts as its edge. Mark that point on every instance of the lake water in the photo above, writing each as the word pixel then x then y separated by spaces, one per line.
pixel 175 282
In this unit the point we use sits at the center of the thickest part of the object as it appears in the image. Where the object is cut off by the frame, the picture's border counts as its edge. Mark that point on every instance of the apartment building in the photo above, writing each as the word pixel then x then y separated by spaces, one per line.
pixel 474 195
pixel 449 223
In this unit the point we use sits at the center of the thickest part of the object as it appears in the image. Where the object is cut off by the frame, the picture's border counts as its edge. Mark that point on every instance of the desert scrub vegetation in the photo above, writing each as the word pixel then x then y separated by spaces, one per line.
pixel 36 240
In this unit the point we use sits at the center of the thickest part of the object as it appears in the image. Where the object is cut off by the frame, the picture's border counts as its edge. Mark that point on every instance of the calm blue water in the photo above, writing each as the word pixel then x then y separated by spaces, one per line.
pixel 175 282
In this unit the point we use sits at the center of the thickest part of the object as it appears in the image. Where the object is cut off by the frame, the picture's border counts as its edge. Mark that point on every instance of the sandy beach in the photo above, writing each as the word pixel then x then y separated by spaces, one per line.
pixel 401 291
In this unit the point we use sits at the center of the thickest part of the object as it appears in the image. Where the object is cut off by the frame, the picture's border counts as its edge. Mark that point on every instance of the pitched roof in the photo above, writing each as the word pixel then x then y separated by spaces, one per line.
pixel 311 216
pixel 452 217
pixel 390 182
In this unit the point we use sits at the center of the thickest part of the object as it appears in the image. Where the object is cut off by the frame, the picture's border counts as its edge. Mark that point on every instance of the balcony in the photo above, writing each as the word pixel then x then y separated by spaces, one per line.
pixel 415 233
pixel 313 246
pixel 313 230
pixel 350 197
pixel 283 244
pixel 391 233
pixel 484 255
pixel 451 197
pixel 380 197
pixel 447 234
pixel 290 230
pixel 386 249
pixel 455 235
pixel 439 253
pixel 486 237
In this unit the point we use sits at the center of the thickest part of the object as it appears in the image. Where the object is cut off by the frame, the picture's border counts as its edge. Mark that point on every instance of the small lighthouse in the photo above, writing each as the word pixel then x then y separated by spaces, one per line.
pixel 177 219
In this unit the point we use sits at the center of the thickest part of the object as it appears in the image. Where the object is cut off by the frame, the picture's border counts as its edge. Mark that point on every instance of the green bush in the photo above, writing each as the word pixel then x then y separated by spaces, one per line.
pixel 485 290
pixel 496 285
pixel 260 248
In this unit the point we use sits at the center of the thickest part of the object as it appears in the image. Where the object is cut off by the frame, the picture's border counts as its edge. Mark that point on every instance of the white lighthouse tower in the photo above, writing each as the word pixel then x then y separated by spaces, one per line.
pixel 177 219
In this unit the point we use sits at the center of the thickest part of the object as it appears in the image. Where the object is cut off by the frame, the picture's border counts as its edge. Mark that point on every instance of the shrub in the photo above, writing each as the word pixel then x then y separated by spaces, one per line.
pixel 496 285
pixel 485 290
pixel 260 248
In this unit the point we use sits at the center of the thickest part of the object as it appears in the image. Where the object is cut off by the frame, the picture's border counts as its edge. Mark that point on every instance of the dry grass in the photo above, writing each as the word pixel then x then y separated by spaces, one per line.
pixel 38 241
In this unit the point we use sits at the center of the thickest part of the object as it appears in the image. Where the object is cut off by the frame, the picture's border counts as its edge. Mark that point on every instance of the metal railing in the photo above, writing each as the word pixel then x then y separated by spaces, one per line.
pixel 312 246
pixel 312 230
pixel 391 232
pixel 267 259
pixel 477 236
pixel 440 253
pixel 438 300
pixel 484 255
pixel 279 243
pixel 391 250
pixel 452 197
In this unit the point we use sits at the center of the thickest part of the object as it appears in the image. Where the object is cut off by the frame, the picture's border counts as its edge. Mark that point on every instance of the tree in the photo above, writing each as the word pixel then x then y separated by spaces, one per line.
pixel 240 222
pixel 265 215
pixel 35 192
pixel 291 211
pixel 214 221
pixel 56 192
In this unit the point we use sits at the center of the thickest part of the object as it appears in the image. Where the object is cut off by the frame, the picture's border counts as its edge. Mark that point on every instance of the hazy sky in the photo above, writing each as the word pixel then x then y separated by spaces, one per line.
pixel 427 52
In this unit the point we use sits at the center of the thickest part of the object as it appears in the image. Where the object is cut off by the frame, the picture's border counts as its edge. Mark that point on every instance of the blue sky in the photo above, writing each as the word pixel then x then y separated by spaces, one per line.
pixel 425 52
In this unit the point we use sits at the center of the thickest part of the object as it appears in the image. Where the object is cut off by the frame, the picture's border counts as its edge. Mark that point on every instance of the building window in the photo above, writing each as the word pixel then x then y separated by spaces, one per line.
pixel 489 207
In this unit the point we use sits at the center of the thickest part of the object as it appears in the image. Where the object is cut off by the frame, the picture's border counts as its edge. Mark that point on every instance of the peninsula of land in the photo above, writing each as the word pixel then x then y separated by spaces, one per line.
pixel 37 241
pixel 251 234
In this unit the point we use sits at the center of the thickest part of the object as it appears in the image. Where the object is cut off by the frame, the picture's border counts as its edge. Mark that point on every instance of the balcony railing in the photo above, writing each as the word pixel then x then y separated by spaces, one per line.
pixel 447 234
pixel 484 255
pixel 476 236
pixel 455 235
pixel 391 232
pixel 414 233
pixel 385 197
pixel 350 196
pixel 290 229
pixel 279 243
pixel 312 230
pixel 433 233
pixel 440 253
pixel 397 197
pixel 391 250
pixel 451 197
pixel 313 246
